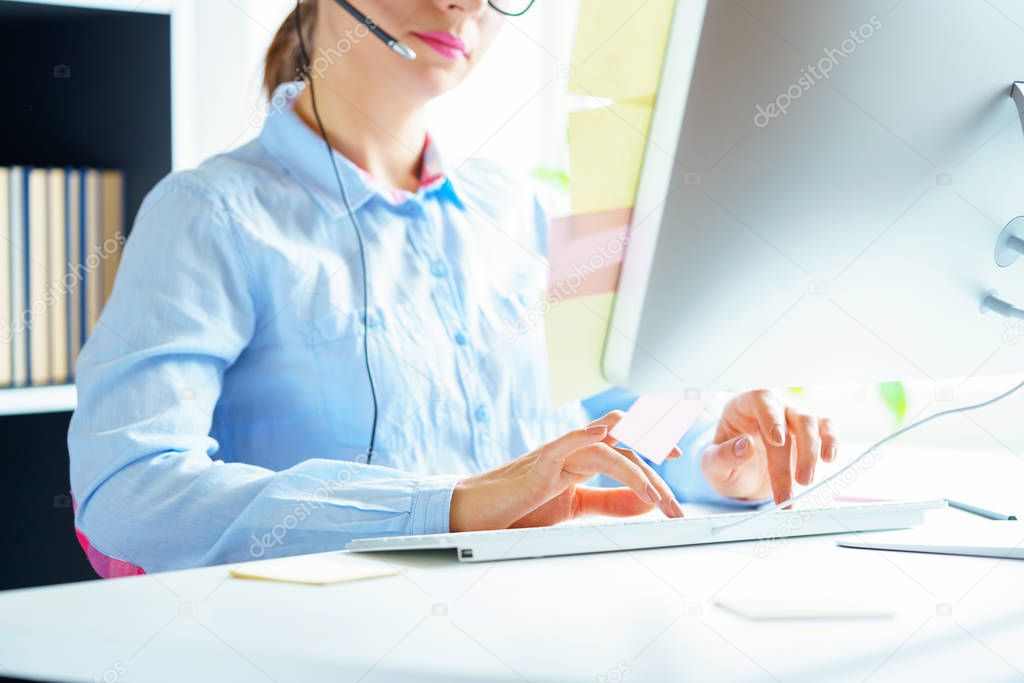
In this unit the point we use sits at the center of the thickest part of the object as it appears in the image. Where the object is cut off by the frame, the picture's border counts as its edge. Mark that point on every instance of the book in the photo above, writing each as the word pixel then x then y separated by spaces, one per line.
pixel 91 244
pixel 113 227
pixel 62 233
pixel 37 312
pixel 19 279
pixel 6 361
pixel 73 236
pixel 56 299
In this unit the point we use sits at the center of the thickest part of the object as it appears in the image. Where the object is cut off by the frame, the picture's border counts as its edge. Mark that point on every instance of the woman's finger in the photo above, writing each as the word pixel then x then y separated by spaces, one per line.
pixel 601 458
pixel 808 443
pixel 612 502
pixel 767 409
pixel 829 440
pixel 780 472
pixel 610 419
pixel 668 503
pixel 722 462
pixel 558 450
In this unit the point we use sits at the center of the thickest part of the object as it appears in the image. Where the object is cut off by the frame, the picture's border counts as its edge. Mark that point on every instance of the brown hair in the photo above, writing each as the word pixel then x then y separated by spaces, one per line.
pixel 284 62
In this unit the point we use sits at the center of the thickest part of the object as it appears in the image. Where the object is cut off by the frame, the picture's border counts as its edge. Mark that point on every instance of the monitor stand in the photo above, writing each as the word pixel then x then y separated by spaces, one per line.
pixel 1010 245
pixel 1017 92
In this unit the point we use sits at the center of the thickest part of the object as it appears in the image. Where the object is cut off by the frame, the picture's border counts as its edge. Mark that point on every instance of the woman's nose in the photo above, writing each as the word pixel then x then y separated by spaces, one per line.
pixel 464 6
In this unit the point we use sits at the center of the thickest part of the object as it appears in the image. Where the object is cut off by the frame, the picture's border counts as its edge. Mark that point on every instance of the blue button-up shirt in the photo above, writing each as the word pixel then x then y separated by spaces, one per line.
pixel 224 407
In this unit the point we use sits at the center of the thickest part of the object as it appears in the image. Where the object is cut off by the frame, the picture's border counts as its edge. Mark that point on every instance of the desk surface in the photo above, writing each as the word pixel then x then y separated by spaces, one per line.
pixel 631 616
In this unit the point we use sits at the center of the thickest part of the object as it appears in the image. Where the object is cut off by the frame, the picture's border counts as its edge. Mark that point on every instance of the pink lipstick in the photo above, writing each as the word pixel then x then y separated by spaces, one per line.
pixel 445 44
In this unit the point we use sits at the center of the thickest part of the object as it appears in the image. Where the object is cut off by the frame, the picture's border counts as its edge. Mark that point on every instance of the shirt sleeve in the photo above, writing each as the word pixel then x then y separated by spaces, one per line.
pixel 684 475
pixel 147 485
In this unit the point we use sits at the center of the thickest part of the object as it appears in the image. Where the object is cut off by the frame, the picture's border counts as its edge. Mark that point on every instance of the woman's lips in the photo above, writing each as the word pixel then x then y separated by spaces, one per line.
pixel 445 44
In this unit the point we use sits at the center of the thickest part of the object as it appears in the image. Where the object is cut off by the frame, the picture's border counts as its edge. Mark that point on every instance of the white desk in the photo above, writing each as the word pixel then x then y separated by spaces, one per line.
pixel 638 616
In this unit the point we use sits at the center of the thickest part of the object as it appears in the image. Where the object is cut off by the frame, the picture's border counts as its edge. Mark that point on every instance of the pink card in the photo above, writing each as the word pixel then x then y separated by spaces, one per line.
pixel 654 424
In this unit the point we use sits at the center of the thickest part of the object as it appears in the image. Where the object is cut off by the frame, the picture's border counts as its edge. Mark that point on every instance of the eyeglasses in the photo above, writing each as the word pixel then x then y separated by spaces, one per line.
pixel 511 8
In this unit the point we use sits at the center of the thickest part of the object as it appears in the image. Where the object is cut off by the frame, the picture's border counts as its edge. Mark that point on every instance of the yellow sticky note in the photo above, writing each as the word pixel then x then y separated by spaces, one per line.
pixel 620 47
pixel 319 569
pixel 576 329
pixel 606 150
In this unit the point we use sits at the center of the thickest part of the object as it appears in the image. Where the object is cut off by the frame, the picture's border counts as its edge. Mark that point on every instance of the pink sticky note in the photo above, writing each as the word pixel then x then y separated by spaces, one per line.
pixel 585 253
pixel 654 424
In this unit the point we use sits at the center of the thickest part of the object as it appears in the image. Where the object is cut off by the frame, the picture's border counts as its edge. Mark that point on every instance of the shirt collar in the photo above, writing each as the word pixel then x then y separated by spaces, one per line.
pixel 432 175
pixel 303 154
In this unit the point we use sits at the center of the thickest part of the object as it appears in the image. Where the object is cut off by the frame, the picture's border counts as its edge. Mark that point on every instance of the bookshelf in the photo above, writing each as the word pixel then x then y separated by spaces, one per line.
pixel 95 86
pixel 95 91
pixel 57 398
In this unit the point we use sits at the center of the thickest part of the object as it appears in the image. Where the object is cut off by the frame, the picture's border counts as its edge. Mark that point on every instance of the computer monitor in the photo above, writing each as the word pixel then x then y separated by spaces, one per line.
pixel 822 194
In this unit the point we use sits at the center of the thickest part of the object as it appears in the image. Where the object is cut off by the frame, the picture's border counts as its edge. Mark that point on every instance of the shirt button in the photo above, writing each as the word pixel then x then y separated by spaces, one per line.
pixel 438 269
pixel 460 339
pixel 482 414
pixel 371 320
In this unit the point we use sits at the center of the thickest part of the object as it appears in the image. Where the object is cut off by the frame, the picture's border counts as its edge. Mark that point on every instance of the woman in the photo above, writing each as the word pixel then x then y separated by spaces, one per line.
pixel 225 400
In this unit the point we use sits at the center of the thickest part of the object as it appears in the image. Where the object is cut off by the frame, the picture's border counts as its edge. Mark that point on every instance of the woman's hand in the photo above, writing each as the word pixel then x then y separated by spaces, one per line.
pixel 761 445
pixel 542 488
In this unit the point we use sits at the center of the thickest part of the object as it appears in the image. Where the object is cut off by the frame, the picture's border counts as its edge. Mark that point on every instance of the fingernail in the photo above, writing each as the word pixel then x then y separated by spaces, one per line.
pixel 832 452
pixel 652 494
pixel 597 429
pixel 677 508
pixel 810 474
pixel 778 435
pixel 741 446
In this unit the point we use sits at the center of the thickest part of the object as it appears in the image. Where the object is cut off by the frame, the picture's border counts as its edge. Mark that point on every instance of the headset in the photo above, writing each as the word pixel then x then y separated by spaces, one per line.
pixel 305 74
pixel 406 52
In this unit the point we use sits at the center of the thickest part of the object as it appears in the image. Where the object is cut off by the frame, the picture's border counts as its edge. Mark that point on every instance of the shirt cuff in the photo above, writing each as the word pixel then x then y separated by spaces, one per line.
pixel 694 487
pixel 432 505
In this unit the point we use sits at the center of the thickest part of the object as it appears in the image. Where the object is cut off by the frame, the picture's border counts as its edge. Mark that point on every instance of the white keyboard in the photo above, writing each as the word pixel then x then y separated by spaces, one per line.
pixel 601 536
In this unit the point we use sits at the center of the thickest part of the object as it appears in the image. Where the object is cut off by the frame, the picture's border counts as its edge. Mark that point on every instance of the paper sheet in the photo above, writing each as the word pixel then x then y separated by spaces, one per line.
pixel 620 47
pixel 606 149
pixel 576 330
pixel 313 569
pixel 759 609
pixel 654 424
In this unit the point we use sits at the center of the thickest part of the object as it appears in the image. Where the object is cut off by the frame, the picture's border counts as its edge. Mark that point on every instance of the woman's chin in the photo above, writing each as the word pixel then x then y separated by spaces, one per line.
pixel 434 80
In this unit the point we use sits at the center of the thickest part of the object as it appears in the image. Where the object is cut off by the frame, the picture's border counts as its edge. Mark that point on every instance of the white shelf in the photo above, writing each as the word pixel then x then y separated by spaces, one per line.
pixel 28 400
pixel 148 6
